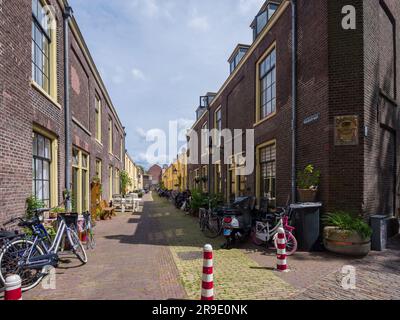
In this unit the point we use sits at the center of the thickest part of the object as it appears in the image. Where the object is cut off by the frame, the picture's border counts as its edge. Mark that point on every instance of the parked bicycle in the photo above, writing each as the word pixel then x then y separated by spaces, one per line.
pixel 266 229
pixel 30 257
pixel 88 231
pixel 210 222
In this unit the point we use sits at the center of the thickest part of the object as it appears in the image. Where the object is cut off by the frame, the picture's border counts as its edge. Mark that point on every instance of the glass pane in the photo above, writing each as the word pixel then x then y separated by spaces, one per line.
pixel 39 190
pixel 84 190
pixel 34 144
pixel 46 170
pixel 75 157
pixel 84 161
pixel 47 149
pixel 46 190
pixel 39 169
pixel 33 169
pixel 40 146
pixel 261 21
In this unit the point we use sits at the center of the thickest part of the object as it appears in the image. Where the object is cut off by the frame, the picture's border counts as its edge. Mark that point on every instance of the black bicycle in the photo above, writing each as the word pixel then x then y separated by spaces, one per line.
pixel 210 223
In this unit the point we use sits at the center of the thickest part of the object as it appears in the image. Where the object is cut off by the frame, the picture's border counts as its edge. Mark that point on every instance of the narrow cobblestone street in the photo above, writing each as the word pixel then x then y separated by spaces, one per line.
pixel 156 254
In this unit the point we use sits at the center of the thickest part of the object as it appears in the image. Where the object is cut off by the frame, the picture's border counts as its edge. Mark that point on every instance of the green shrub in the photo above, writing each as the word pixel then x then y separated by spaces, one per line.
pixel 308 178
pixel 199 200
pixel 346 221
pixel 32 204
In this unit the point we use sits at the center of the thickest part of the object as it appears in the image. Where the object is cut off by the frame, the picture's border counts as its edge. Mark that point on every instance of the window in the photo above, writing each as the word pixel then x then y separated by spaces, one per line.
pixel 110 135
pixel 43 48
pixel 98 119
pixel 117 185
pixel 110 182
pixel 204 138
pixel 262 19
pixel 80 181
pixel 267 158
pixel 267 86
pixel 99 169
pixel 237 58
pixel 237 180
pixel 41 166
pixel 122 148
pixel 218 178
pixel 218 125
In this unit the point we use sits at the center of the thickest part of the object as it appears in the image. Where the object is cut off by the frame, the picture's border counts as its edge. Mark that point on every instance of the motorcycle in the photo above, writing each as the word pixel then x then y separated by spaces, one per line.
pixel 237 221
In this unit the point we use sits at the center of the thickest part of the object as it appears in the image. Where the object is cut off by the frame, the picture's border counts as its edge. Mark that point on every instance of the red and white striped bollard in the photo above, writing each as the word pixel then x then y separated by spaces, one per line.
pixel 207 283
pixel 281 252
pixel 13 288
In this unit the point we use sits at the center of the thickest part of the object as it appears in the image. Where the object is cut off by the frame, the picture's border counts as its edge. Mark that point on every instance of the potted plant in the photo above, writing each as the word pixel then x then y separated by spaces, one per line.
pixel 307 184
pixel 32 204
pixel 54 212
pixel 347 234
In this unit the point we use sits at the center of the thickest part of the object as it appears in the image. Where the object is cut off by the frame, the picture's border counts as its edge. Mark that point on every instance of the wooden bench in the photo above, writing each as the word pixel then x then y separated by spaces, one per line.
pixel 107 212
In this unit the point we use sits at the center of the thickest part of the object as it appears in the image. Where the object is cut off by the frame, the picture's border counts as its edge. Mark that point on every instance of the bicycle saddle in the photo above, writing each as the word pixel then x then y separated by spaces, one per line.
pixel 29 223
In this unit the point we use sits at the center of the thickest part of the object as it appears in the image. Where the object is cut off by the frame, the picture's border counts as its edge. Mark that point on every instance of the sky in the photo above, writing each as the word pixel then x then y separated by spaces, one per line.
pixel 157 57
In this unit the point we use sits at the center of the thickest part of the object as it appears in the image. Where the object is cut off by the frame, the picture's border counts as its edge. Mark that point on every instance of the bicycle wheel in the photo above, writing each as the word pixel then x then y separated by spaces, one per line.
pixel 11 254
pixel 212 228
pixel 77 246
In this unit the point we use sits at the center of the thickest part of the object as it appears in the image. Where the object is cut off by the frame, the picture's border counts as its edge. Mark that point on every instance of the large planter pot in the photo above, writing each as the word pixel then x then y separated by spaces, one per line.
pixel 307 195
pixel 346 242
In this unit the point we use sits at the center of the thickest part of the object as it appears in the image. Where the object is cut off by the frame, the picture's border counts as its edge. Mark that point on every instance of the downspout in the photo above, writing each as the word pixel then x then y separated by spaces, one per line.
pixel 67 111
pixel 209 149
pixel 294 100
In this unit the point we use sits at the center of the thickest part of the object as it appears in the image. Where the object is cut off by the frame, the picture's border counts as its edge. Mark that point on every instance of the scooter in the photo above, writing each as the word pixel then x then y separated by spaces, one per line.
pixel 237 221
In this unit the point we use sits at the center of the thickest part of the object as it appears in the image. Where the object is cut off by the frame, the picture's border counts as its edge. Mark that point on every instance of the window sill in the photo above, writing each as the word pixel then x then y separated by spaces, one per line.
pixel 264 120
pixel 99 143
pixel 38 88
pixel 80 125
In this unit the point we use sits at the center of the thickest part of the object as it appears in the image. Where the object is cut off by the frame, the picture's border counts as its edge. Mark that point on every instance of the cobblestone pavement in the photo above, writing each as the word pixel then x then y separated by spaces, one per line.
pixel 236 276
pixel 157 254
pixel 377 278
pixel 124 265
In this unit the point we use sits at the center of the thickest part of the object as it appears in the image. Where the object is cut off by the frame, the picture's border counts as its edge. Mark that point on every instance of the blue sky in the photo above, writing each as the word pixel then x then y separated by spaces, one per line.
pixel 158 56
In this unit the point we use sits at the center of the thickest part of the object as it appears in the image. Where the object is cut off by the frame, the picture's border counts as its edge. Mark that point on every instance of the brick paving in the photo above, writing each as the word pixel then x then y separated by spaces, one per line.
pixel 157 254
pixel 236 276
pixel 124 265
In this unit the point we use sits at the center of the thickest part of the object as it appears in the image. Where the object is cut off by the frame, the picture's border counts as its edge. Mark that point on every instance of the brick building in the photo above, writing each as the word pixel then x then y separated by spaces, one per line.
pixel 155 172
pixel 347 120
pixel 32 111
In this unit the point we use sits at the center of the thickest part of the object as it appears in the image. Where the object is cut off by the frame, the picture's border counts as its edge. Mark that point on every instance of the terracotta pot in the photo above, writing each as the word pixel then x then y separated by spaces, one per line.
pixel 346 242
pixel 307 195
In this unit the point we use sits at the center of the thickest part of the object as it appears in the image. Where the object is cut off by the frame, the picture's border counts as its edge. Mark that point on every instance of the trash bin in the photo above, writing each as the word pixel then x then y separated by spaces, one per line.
pixel 379 232
pixel 307 223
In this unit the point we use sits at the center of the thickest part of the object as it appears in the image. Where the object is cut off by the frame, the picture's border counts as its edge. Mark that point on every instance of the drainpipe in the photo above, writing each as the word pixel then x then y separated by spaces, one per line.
pixel 209 148
pixel 67 112
pixel 294 100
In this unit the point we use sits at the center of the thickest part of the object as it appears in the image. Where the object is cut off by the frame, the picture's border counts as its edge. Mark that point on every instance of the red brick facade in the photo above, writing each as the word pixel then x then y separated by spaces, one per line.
pixel 24 107
pixel 340 73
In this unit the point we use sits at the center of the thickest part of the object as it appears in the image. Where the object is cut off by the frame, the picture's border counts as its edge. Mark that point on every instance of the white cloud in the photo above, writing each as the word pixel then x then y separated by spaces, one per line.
pixel 138 74
pixel 141 132
pixel 199 24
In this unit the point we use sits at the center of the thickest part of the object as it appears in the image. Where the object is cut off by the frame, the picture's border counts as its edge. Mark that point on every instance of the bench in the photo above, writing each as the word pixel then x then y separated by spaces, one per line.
pixel 107 212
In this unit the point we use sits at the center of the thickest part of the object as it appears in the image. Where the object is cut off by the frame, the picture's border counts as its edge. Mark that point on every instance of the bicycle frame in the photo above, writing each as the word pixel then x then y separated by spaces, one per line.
pixel 270 232
pixel 49 252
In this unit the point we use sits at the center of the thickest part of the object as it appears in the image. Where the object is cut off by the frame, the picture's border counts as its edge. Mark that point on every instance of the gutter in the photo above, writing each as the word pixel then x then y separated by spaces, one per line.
pixel 67 14
pixel 294 101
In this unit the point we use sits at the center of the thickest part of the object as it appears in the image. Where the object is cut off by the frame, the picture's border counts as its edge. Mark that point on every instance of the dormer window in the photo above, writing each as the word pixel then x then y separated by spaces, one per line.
pixel 262 18
pixel 237 56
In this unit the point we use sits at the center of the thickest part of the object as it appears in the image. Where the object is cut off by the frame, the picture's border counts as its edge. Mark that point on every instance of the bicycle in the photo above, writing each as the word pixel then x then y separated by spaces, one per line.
pixel 210 223
pixel 88 230
pixel 266 230
pixel 29 258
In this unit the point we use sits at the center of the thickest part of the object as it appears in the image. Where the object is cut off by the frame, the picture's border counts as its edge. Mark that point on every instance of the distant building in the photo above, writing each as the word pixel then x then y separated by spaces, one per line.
pixel 155 172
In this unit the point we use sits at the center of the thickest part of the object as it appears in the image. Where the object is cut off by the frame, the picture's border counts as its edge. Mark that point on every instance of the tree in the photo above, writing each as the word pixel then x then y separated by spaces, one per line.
pixel 126 182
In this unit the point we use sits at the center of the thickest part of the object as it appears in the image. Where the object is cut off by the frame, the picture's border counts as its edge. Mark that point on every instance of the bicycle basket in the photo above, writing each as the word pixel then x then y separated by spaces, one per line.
pixel 71 219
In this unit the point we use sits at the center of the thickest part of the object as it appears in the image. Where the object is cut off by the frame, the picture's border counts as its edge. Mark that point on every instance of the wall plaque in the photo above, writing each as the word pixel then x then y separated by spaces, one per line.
pixel 346 131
